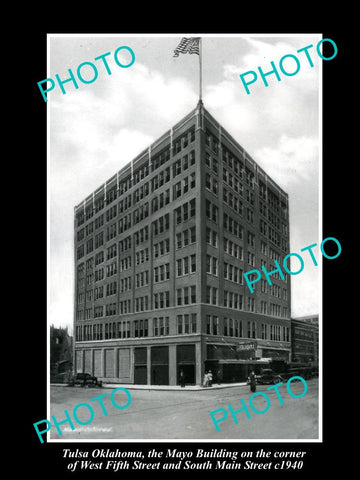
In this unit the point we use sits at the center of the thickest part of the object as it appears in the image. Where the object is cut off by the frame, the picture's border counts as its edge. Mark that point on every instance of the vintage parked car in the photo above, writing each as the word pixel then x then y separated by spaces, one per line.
pixel 85 380
pixel 267 377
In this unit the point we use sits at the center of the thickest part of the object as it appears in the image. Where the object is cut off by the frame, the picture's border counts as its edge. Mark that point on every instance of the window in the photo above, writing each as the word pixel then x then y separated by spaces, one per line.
pixel 161 248
pixel 111 289
pixel 185 211
pixel 193 294
pixel 186 237
pixel 211 183
pixel 179 267
pixel 178 240
pixel 162 273
pixel 251 305
pixel 161 326
pixel 178 218
pixel 178 296
pixel 111 309
pixel 99 274
pixel 208 181
pixel 177 190
pixel 214 266
pixel 111 252
pixel 212 295
pixel 212 325
pixel 141 304
pixel 211 211
pixel 251 259
pixel 186 265
pixel 211 237
pixel 186 295
pixel 176 168
pixel 193 263
pixel 111 269
pixel 186 323
pixel 99 258
pixel 161 300
pixel 141 328
pixel 207 159
pixel 211 265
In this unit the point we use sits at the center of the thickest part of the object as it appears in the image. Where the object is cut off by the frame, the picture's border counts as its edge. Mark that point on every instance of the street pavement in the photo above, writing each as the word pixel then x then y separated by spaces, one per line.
pixel 184 413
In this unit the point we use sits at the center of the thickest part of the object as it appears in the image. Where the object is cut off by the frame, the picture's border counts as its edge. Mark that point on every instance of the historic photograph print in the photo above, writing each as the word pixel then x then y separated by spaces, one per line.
pixel 184 242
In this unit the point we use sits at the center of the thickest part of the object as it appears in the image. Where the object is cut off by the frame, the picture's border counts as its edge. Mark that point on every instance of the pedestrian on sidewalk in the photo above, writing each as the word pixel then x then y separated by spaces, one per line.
pixel 206 379
pixel 182 378
pixel 210 378
pixel 252 381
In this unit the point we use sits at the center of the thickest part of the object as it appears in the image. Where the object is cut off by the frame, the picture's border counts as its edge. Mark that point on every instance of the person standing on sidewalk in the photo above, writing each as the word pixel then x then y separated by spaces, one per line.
pixel 182 378
pixel 252 381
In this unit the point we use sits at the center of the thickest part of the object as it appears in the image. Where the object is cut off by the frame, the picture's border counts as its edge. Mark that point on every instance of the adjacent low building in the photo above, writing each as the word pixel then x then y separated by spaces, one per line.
pixel 160 253
pixel 61 354
pixel 305 339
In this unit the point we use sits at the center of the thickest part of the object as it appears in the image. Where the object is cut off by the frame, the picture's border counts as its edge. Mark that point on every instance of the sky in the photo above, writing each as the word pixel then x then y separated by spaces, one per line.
pixel 95 130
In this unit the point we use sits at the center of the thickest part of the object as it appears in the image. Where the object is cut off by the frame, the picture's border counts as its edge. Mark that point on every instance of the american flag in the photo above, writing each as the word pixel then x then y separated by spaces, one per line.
pixel 188 45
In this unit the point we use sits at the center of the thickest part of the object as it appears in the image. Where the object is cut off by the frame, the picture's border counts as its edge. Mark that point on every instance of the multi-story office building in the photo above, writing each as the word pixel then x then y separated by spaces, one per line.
pixel 305 339
pixel 160 252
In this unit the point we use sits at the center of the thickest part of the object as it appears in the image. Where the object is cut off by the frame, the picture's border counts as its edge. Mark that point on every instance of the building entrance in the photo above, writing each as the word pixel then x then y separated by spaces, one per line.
pixel 140 366
pixel 159 365
pixel 185 360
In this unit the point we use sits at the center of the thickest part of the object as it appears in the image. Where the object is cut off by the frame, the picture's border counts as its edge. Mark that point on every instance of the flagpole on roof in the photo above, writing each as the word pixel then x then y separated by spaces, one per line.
pixel 192 45
pixel 200 70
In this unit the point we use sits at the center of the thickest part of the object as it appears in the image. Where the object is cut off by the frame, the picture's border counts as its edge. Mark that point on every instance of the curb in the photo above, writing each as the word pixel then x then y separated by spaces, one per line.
pixel 169 388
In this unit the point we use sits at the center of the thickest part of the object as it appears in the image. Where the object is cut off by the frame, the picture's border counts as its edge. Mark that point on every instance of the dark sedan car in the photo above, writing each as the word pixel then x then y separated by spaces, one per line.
pixel 267 377
pixel 85 380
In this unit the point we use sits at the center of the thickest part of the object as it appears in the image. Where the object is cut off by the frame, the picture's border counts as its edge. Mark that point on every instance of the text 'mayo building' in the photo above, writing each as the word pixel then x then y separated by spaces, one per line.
pixel 160 252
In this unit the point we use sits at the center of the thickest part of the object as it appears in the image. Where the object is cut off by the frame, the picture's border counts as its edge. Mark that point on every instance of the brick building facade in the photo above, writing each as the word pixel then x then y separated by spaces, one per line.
pixel 160 252
pixel 305 339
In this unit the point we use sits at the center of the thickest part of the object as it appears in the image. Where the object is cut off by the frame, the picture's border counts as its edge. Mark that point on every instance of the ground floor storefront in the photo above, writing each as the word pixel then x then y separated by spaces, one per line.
pixel 165 361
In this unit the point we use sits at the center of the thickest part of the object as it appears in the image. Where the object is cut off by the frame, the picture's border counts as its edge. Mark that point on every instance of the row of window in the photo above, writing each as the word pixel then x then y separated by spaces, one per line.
pixel 184 296
pixel 159 326
pixel 234 327
pixel 183 239
pixel 303 334
pixel 232 161
pixel 157 203
pixel 236 301
pixel 236 185
pixel 228 158
pixel 186 211
pixel 186 266
pixel 163 199
pixel 140 174
pixel 185 324
pixel 164 176
pixel 159 226
pixel 182 214
pixel 234 202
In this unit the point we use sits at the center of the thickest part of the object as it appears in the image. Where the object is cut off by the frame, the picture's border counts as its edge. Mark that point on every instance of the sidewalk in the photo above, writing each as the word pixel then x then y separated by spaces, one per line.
pixel 132 386
pixel 173 387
